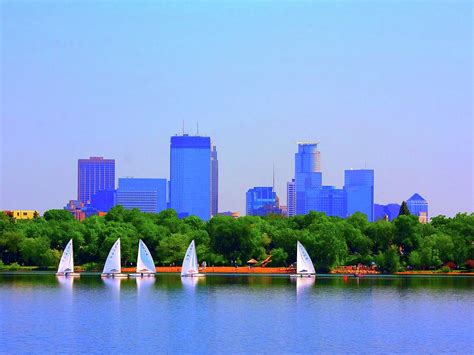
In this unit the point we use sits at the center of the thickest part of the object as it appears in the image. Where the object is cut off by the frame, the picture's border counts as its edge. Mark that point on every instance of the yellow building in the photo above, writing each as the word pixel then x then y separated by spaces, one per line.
pixel 23 214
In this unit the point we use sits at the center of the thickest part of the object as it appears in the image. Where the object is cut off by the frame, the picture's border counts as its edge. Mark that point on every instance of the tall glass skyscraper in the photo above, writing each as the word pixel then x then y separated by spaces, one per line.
pixel 359 192
pixel 93 175
pixel 190 176
pixel 214 182
pixel 307 174
pixel 146 194
pixel 291 198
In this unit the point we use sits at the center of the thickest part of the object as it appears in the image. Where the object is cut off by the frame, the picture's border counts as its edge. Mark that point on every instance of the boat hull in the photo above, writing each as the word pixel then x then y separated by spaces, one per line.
pixel 143 274
pixel 68 274
pixel 114 275
pixel 194 275
pixel 303 275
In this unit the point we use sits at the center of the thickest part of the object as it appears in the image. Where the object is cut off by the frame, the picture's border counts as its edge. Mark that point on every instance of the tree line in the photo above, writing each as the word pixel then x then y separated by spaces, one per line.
pixel 330 241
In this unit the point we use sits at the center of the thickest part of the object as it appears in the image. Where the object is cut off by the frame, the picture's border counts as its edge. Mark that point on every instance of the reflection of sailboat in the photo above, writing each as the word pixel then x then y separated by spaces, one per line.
pixel 65 282
pixel 66 265
pixel 144 282
pixel 304 283
pixel 145 264
pixel 304 265
pixel 112 283
pixel 189 282
pixel 112 267
pixel 190 266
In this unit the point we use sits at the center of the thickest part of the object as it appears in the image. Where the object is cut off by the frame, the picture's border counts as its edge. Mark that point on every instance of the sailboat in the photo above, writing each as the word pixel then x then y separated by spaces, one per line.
pixel 66 265
pixel 145 264
pixel 304 265
pixel 112 267
pixel 190 266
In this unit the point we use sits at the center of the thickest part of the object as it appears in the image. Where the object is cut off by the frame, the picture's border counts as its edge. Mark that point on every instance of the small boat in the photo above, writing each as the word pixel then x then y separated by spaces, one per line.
pixel 112 267
pixel 304 265
pixel 66 265
pixel 145 264
pixel 190 266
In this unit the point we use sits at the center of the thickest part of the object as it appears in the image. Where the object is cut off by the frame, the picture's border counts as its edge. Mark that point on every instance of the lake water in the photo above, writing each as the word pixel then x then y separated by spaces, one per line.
pixel 236 314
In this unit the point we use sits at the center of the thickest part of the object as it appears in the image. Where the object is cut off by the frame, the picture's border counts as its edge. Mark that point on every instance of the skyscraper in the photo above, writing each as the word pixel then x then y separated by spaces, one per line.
pixel 262 201
pixel 148 195
pixel 307 173
pixel 190 176
pixel 214 182
pixel 359 192
pixel 418 206
pixel 327 199
pixel 291 198
pixel 93 175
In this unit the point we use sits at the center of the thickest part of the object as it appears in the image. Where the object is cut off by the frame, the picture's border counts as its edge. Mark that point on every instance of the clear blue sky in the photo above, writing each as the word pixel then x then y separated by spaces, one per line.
pixel 381 84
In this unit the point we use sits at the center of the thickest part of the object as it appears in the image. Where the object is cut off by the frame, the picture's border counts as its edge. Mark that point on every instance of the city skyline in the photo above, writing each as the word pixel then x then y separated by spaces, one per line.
pixel 378 85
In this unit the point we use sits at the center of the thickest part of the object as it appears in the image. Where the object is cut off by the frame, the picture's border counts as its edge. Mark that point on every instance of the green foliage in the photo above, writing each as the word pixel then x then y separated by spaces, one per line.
pixel 330 241
pixel 404 211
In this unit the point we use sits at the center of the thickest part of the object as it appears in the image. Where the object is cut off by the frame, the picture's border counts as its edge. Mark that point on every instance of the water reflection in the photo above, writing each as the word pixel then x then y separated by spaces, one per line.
pixel 112 283
pixel 144 283
pixel 65 282
pixel 304 284
pixel 190 283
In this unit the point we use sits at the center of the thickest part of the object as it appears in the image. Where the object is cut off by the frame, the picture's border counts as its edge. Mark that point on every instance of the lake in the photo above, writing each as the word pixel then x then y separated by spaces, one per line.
pixel 236 314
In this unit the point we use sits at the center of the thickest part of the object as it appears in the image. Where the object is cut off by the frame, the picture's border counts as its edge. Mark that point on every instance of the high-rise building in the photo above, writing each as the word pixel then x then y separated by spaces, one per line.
pixel 262 201
pixel 327 199
pixel 103 200
pixel 359 192
pixel 93 175
pixel 148 195
pixel 418 206
pixel 307 173
pixel 190 176
pixel 214 182
pixel 291 198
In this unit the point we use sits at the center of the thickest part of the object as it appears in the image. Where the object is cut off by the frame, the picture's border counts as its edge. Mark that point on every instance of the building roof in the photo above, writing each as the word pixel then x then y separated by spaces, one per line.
pixel 416 197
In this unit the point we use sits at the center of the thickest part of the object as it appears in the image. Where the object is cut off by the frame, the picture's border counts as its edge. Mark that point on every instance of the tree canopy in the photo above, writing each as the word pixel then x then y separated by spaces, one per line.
pixel 223 240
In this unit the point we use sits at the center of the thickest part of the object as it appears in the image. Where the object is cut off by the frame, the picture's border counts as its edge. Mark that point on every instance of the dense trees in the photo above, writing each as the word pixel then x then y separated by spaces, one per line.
pixel 223 240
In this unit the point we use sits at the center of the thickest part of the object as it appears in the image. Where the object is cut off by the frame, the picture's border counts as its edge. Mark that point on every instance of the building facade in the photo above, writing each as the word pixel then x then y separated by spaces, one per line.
pixel 103 200
pixel 93 175
pixel 22 214
pixel 388 212
pixel 262 201
pixel 418 206
pixel 327 199
pixel 214 182
pixel 146 194
pixel 307 174
pixel 291 198
pixel 359 192
pixel 190 176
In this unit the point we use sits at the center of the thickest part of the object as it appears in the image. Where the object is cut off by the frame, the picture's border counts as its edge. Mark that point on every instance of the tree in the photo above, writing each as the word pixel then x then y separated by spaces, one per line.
pixel 58 215
pixel 404 211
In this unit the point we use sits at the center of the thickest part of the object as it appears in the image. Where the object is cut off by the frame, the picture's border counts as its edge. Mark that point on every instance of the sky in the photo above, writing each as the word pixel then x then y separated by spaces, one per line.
pixel 386 85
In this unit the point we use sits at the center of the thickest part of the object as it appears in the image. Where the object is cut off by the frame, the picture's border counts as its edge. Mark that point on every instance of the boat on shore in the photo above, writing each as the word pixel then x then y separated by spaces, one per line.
pixel 112 267
pixel 66 265
pixel 190 267
pixel 145 264
pixel 304 264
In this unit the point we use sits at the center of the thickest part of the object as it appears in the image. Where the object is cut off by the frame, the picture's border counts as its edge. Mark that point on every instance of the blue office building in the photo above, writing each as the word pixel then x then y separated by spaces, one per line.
pixel 146 194
pixel 359 192
pixel 327 199
pixel 418 206
pixel 93 175
pixel 103 200
pixel 390 211
pixel 190 176
pixel 308 174
pixel 262 201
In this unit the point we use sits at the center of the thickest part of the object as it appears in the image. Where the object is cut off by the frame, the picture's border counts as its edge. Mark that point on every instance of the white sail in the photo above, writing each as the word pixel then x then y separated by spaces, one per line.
pixel 67 259
pixel 304 265
pixel 112 264
pixel 145 261
pixel 190 262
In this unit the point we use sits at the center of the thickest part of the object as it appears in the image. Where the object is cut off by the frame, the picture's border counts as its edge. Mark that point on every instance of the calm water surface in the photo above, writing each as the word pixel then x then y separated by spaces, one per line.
pixel 236 314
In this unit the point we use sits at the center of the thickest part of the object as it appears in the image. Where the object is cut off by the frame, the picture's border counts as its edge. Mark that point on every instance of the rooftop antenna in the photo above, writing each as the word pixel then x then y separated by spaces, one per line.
pixel 183 127
pixel 197 128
